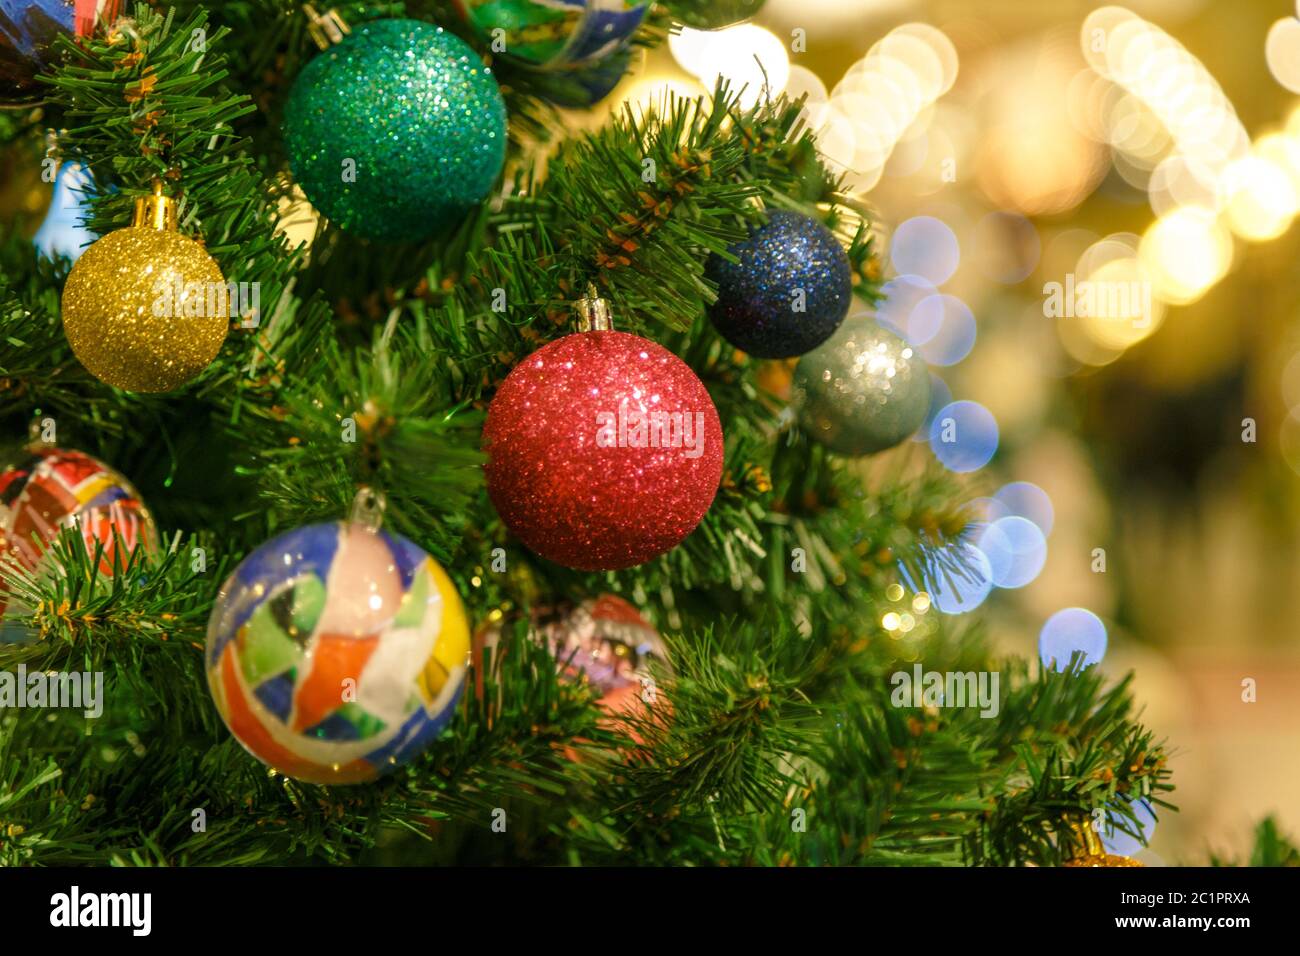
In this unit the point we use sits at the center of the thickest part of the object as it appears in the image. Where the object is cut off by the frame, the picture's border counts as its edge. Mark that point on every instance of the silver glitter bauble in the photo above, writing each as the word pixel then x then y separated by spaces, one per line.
pixel 863 390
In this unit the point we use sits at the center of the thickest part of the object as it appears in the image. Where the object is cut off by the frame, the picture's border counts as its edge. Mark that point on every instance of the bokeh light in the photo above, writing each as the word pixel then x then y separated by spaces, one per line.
pixel 944 330
pixel 1069 631
pixel 1120 843
pixel 753 60
pixel 940 395
pixel 886 98
pixel 1027 500
pixel 1016 550
pixel 902 294
pixel 953 593
pixel 1260 198
pixel 1184 253
pixel 924 246
pixel 62 232
pixel 964 436
pixel 1282 52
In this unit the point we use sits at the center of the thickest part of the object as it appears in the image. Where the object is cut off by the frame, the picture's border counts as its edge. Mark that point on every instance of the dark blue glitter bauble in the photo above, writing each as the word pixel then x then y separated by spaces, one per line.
pixel 397 132
pixel 789 291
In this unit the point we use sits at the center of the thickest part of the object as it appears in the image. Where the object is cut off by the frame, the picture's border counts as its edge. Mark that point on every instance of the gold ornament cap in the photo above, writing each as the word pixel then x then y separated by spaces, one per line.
pixel 594 314
pixel 1094 854
pixel 325 28
pixel 157 211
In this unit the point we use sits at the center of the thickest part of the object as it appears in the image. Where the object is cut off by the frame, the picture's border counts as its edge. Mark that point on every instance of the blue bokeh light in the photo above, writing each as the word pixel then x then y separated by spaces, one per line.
pixel 964 436
pixel 1070 630
pixel 1016 550
pixel 62 234
pixel 925 247
pixel 940 395
pixel 901 296
pixel 1117 841
pixel 957 593
pixel 943 328
pixel 1026 499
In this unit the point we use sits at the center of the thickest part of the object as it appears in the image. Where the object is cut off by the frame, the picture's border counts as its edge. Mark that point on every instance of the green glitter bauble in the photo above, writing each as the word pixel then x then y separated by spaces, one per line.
pixel 863 390
pixel 397 132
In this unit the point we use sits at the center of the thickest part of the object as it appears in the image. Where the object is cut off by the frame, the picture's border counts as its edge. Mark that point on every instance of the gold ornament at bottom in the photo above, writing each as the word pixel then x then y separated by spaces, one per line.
pixel 1102 859
pixel 1094 854
pixel 145 308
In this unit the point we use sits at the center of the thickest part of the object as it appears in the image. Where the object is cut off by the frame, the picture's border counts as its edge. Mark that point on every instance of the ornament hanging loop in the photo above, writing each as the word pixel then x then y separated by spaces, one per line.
pixel 156 211
pixel 368 508
pixel 325 28
pixel 594 314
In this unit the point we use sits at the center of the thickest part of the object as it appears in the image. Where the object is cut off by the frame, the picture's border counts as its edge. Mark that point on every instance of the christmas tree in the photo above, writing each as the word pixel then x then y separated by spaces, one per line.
pixel 636 640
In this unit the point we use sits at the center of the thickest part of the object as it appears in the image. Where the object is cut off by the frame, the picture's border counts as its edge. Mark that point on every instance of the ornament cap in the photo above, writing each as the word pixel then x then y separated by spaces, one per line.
pixel 156 211
pixel 325 28
pixel 368 508
pixel 594 314
pixel 40 432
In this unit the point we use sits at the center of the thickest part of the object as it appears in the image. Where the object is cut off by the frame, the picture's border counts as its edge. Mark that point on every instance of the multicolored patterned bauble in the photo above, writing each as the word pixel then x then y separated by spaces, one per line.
pixel 583 87
pixel 605 451
pixel 337 652
pixel 555 34
pixel 51 489
pixel 603 641
pixel 28 29
pixel 397 132
pixel 863 391
pixel 146 308
pixel 716 14
pixel 789 291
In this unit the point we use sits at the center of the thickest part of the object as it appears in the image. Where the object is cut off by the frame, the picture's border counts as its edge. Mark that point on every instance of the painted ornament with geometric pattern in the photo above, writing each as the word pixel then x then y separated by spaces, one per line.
pixel 53 488
pixel 336 652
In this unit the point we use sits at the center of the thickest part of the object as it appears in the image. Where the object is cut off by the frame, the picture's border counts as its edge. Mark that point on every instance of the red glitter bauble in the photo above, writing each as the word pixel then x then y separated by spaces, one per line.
pixel 605 451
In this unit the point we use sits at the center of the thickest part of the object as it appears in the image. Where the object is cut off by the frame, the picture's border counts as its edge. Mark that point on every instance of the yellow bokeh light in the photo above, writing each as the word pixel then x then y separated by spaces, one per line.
pixel 1123 309
pixel 1282 52
pixel 753 60
pixel 1184 253
pixel 885 99
pixel 1260 198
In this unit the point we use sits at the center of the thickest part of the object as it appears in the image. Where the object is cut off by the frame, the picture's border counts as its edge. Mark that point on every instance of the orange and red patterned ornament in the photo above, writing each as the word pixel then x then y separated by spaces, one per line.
pixel 53 488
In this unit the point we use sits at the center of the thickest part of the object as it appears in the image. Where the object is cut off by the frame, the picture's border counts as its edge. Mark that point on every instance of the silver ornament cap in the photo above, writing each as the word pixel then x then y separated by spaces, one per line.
pixel 864 390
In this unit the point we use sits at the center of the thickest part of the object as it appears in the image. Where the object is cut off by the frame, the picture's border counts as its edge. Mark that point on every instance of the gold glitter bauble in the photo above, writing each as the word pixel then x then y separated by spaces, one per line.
pixel 1102 859
pixel 145 309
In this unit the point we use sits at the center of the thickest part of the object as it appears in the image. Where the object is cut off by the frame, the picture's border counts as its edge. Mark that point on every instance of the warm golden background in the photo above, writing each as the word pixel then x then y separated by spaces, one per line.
pixel 1160 143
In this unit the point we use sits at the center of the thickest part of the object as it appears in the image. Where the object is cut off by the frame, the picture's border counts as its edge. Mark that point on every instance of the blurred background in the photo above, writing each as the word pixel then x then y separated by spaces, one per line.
pixel 1085 219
